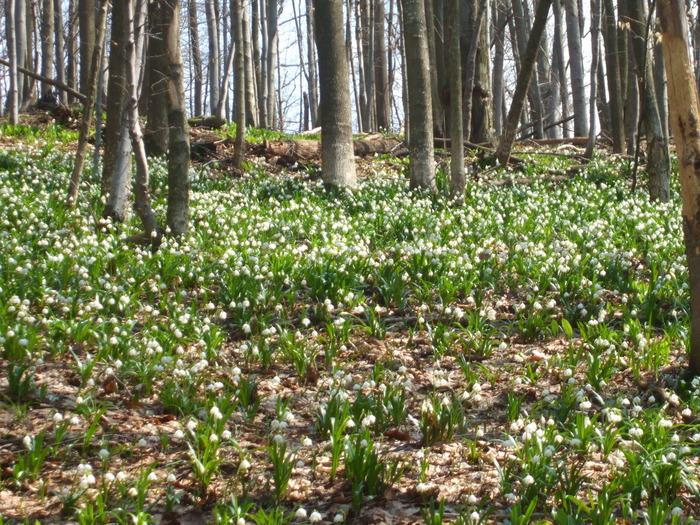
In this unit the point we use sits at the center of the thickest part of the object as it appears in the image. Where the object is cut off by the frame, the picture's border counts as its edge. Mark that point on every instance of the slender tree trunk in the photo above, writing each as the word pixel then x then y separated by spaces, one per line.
pixel 193 24
pixel 239 82
pixel 595 28
pixel 470 70
pixel 436 103
pixel 660 86
pixel 612 66
pixel 271 61
pixel 179 142
pixel 72 71
pixel 156 133
pixel 559 66
pixel 482 129
pixel 74 186
pixel 88 39
pixel 685 116
pixel 573 33
pixel 457 176
pixel 336 116
pixel 213 35
pixel 522 83
pixel 311 60
pixel 59 42
pixel 116 173
pixel 500 21
pixel 142 201
pixel 251 106
pixel 21 47
pixel 658 161
pixel 47 43
pixel 13 95
pixel 422 161
pixel 259 53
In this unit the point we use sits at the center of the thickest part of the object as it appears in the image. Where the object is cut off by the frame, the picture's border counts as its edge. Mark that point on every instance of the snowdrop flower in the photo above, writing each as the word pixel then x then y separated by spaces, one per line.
pixel 421 488
pixel 226 435
pixel 152 477
pixel 245 465
pixel 300 514
pixel 528 480
pixel 339 518
pixel 315 517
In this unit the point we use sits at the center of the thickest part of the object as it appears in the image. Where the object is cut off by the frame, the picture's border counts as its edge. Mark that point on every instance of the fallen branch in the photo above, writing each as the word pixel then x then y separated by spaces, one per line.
pixel 46 80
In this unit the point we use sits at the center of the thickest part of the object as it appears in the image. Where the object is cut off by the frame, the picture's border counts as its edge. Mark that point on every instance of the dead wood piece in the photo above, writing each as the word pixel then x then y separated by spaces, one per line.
pixel 305 149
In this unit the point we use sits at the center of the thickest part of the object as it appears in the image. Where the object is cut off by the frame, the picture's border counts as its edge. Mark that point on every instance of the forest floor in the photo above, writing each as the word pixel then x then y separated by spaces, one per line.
pixel 367 356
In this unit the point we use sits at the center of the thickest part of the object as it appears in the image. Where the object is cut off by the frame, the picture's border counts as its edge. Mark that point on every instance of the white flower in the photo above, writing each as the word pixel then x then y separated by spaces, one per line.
pixel 422 488
pixel 109 477
pixel 528 480
pixel 245 465
pixel 104 453
pixel 339 518
pixel 171 478
pixel 143 443
pixel 300 513
pixel 226 435
pixel 152 477
pixel 315 517
pixel 676 511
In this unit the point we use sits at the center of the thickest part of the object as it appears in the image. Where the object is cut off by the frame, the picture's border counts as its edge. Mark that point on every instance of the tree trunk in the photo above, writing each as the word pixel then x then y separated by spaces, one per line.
pixel 259 52
pixel 578 89
pixel 422 161
pixel 312 84
pixel 213 34
pixel 470 70
pixel 193 25
pixel 13 95
pixel 658 161
pixel 559 66
pixel 47 43
pixel 660 86
pixel 685 118
pixel 457 176
pixel 595 28
pixel 74 186
pixel 436 103
pixel 522 26
pixel 179 142
pixel 239 82
pixel 336 115
pixel 271 62
pixel 251 105
pixel 612 66
pixel 500 21
pixel 482 91
pixel 381 73
pixel 156 135
pixel 527 65
pixel 72 43
pixel 88 40
pixel 21 47
pixel 116 173
pixel 59 42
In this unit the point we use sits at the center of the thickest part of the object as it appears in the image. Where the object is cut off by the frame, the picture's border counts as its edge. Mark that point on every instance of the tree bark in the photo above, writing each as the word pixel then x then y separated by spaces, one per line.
pixel 336 115
pixel 658 161
pixel 88 40
pixel 59 42
pixel 116 172
pixel 470 71
pixel 179 142
pixel 422 161
pixel 213 34
pixel 47 43
pixel 13 95
pixel 578 89
pixel 500 21
pixel 595 28
pixel 312 83
pixel 239 82
pixel 482 92
pixel 612 66
pixel 685 119
pixel 251 103
pixel 527 64
pixel 193 25
pixel 156 135
pixel 271 62
pixel 436 103
pixel 74 186
pixel 559 66
pixel 72 43
pixel 457 176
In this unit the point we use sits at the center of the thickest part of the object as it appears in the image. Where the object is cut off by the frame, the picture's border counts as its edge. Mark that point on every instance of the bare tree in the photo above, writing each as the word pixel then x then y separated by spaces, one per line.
pixel 193 25
pixel 213 34
pixel 59 41
pixel 457 176
pixel 47 43
pixel 573 33
pixel 239 82
pixel 336 117
pixel 612 65
pixel 381 72
pixel 88 40
pixel 685 117
pixel 13 95
pixel 76 176
pixel 595 29
pixel 420 114
pixel 527 65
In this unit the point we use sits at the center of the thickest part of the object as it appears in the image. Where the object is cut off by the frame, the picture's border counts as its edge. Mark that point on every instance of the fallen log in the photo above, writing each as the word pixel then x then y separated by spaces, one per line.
pixel 46 80
pixel 304 149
